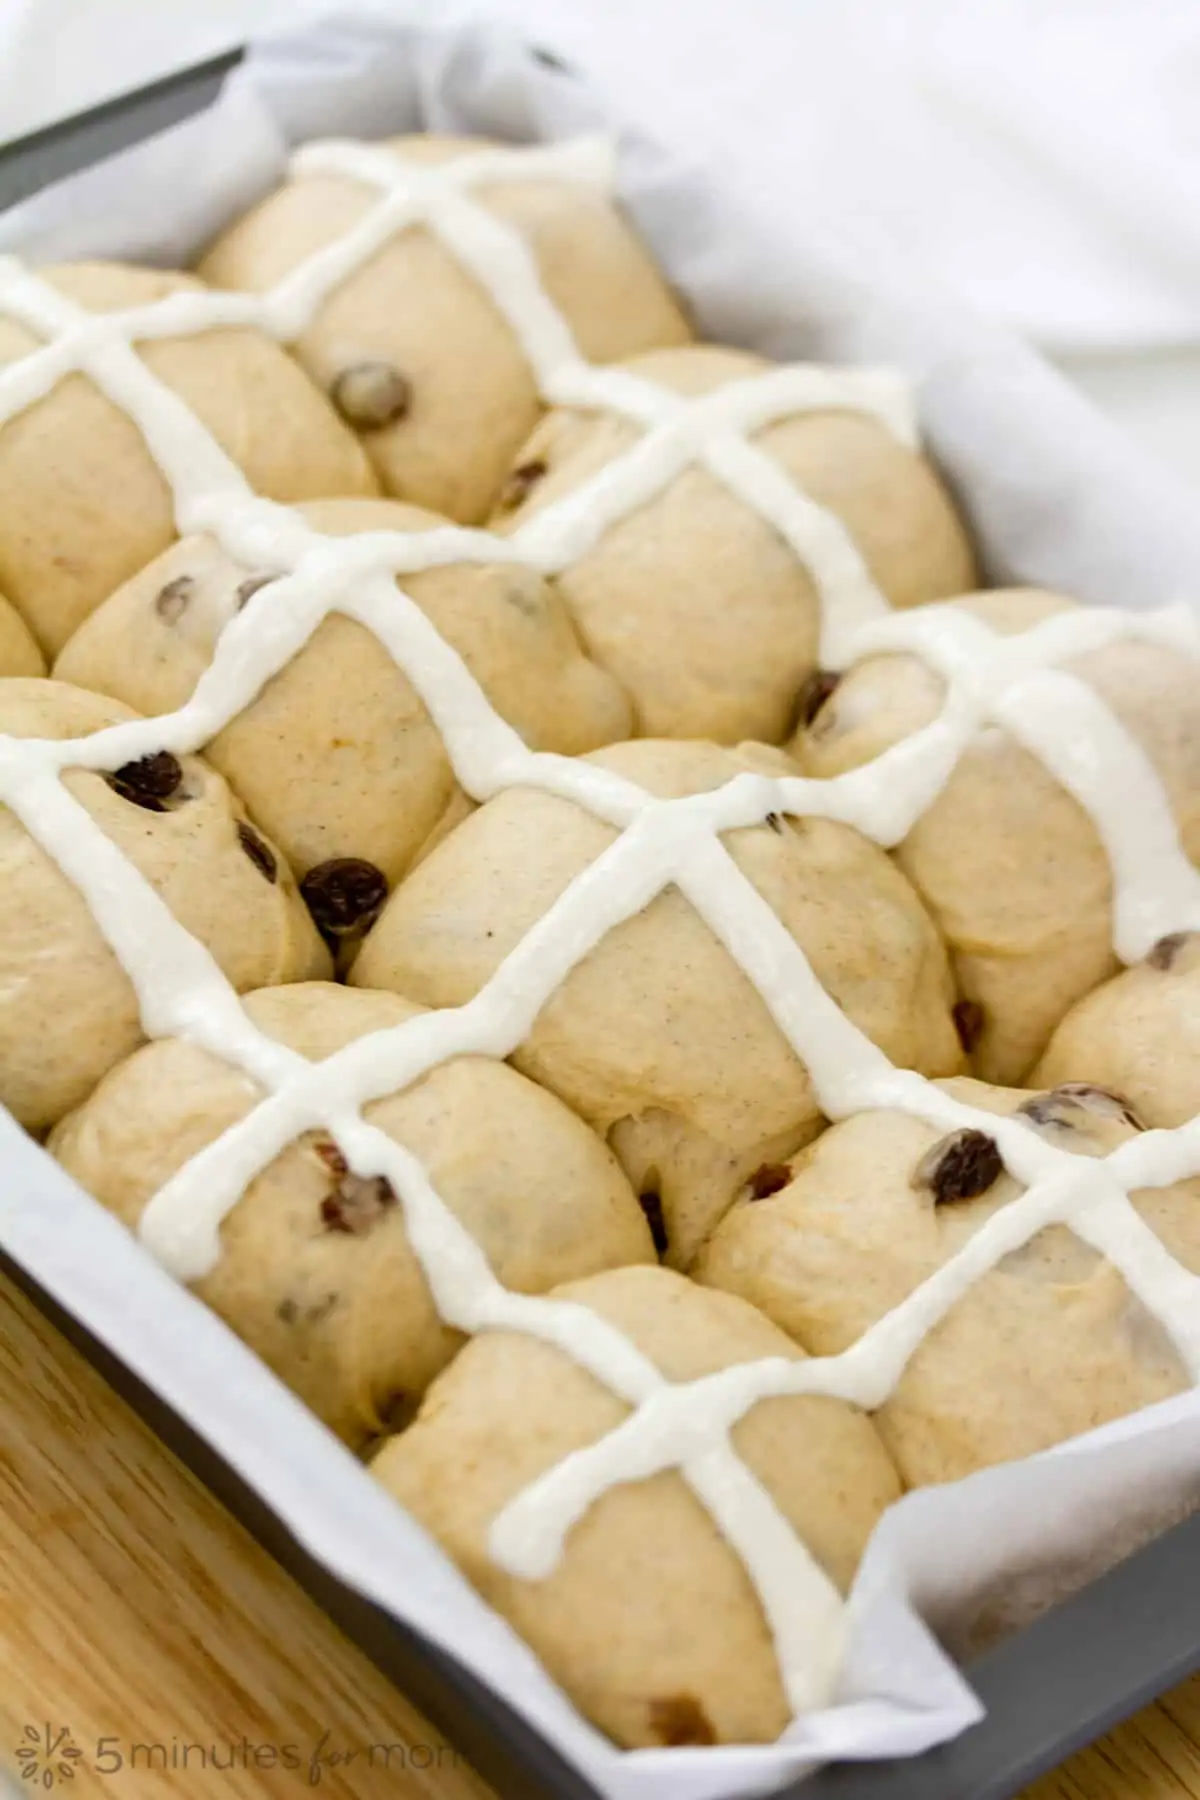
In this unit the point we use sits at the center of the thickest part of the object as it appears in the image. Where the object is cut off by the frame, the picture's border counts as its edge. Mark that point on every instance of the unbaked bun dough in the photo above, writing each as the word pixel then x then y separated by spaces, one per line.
pixel 316 1272
pixel 85 504
pixel 19 653
pixel 69 1012
pixel 413 350
pixel 657 1037
pixel 694 601
pixel 1048 1344
pixel 1140 1033
pixel 338 757
pixel 649 1622
pixel 1010 865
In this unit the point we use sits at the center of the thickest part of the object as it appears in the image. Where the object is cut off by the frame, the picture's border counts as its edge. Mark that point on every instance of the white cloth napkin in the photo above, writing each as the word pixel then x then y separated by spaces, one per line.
pixel 1041 155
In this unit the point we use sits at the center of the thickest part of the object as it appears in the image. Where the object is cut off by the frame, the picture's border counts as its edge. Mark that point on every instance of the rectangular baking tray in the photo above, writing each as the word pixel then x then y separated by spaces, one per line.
pixel 1050 1689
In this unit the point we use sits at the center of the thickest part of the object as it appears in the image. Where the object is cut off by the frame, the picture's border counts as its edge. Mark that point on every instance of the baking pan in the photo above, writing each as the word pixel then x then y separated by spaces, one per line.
pixel 1057 1685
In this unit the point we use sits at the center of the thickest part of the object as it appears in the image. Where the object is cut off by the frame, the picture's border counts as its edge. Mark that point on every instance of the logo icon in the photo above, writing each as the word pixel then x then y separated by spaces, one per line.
pixel 47 1755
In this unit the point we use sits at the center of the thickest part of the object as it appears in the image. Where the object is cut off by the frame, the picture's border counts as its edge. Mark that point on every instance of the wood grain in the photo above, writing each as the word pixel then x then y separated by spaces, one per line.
pixel 133 1609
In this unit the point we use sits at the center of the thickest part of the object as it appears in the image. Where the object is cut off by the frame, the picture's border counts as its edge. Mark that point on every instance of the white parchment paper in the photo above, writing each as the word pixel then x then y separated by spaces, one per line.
pixel 1056 496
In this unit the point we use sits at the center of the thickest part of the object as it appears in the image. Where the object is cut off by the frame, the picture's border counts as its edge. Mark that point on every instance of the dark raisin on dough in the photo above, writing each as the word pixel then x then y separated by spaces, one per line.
pixel 371 395
pixel 149 782
pixel 767 1179
pixel 651 1205
pixel 1043 1109
pixel 287 1311
pixel 813 695
pixel 171 602
pixel 1056 1106
pixel 357 1203
pixel 396 1411
pixel 679 1719
pixel 1094 1098
pixel 345 894
pixel 259 851
pixel 959 1167
pixel 968 1022
pixel 520 483
pixel 1166 951
pixel 247 589
pixel 330 1155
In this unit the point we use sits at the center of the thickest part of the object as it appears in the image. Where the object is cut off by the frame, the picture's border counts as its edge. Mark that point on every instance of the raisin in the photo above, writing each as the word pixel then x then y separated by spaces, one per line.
pixel 767 1179
pixel 371 395
pixel 813 695
pixel 959 1167
pixel 680 1719
pixel 259 851
pixel 968 1022
pixel 396 1411
pixel 171 602
pixel 357 1203
pixel 331 1156
pixel 523 479
pixel 1094 1098
pixel 248 588
pixel 651 1205
pixel 1166 951
pixel 1056 1106
pixel 344 894
pixel 148 782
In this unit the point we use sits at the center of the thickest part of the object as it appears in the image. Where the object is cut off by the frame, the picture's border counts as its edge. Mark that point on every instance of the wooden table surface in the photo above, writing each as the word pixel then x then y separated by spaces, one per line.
pixel 135 1614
